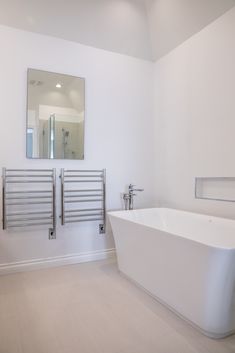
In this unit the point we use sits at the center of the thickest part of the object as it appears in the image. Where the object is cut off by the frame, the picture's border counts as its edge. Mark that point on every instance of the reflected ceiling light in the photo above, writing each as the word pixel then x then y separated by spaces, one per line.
pixel 35 83
pixel 58 85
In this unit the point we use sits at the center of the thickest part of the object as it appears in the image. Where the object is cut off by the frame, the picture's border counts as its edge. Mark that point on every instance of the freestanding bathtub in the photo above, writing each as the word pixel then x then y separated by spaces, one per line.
pixel 185 260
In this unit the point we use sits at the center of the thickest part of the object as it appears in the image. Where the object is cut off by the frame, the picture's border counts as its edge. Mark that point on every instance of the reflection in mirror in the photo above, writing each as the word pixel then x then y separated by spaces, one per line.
pixel 55 116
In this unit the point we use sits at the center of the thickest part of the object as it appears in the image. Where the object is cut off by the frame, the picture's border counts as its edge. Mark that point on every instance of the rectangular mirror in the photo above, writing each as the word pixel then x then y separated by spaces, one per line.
pixel 55 116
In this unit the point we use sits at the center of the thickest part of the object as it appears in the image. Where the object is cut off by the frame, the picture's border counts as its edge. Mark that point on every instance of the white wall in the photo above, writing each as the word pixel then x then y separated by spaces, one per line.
pixel 195 116
pixel 118 130
pixel 192 133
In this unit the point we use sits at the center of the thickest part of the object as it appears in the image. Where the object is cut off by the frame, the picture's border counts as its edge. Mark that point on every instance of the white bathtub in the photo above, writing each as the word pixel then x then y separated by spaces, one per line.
pixel 185 260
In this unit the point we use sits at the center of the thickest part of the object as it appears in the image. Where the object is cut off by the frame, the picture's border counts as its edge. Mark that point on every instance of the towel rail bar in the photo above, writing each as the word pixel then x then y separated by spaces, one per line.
pixel 83 171
pixel 84 215
pixel 83 181
pixel 29 192
pixel 27 181
pixel 83 190
pixel 83 195
pixel 84 220
pixel 28 219
pixel 29 170
pixel 28 225
pixel 84 210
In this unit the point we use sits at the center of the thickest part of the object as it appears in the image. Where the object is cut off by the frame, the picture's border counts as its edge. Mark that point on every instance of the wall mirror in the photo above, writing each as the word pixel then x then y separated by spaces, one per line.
pixel 55 116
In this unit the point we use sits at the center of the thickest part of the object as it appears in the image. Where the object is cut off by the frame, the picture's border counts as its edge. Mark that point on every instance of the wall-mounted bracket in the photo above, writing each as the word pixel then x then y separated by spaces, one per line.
pixel 51 233
pixel 101 229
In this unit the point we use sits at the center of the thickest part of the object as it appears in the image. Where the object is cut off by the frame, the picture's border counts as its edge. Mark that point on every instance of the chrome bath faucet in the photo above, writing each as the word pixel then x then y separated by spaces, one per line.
pixel 129 197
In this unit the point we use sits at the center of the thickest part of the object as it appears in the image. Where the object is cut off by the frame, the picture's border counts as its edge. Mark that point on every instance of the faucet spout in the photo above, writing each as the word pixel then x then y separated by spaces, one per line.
pixel 129 197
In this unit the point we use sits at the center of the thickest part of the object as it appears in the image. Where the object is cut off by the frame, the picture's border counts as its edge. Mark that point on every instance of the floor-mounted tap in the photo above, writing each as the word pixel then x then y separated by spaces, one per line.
pixel 129 197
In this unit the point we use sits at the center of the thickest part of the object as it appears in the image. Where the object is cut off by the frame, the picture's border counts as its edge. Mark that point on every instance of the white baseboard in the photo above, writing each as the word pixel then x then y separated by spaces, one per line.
pixel 37 264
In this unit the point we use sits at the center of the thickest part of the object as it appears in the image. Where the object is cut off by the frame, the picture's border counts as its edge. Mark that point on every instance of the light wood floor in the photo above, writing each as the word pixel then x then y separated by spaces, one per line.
pixel 91 308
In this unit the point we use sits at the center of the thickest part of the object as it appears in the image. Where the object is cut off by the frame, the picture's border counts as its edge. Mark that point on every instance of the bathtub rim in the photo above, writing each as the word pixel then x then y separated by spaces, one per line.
pixel 216 247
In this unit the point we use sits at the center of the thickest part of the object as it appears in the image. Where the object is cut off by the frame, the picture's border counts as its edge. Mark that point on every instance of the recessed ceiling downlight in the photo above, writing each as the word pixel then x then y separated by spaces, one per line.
pixel 58 85
pixel 35 83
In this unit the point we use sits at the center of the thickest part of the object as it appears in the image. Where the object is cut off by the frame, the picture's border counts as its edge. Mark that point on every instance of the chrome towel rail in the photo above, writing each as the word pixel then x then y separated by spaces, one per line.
pixel 73 194
pixel 21 204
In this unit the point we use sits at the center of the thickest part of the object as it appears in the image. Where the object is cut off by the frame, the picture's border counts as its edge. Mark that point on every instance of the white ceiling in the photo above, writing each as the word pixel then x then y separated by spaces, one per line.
pixel 147 29
pixel 171 22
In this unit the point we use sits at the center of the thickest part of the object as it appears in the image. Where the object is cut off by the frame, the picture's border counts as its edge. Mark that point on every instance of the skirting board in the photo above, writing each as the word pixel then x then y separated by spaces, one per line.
pixel 37 264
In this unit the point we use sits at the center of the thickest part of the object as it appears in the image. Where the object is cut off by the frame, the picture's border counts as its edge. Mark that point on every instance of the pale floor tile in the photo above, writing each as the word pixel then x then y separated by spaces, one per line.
pixel 91 308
